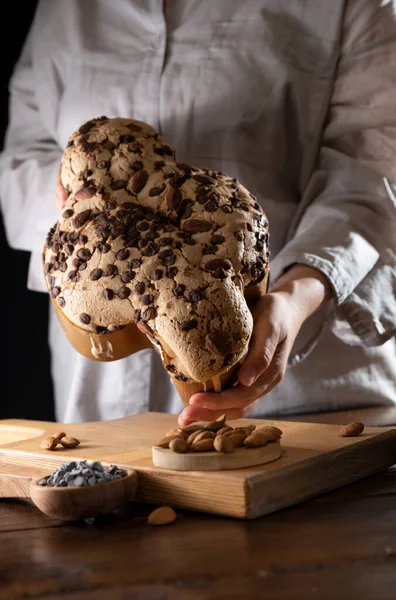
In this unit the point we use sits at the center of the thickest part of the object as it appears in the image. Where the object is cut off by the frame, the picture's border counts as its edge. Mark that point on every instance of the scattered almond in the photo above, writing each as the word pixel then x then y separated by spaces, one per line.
pixel 162 516
pixel 222 443
pixel 178 445
pixel 50 443
pixel 59 435
pixel 70 442
pixel 351 430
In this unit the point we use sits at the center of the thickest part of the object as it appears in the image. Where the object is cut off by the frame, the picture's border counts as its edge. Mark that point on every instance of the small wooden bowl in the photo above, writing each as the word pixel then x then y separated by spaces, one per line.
pixel 82 502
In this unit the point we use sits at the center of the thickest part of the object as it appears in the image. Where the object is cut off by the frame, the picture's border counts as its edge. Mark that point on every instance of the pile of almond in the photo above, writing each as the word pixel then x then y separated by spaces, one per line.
pixel 218 436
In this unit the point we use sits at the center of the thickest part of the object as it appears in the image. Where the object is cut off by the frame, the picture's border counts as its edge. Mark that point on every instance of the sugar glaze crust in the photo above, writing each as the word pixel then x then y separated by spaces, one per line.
pixel 169 246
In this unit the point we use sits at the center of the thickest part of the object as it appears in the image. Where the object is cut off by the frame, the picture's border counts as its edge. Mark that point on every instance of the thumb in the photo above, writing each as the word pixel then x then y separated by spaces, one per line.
pixel 263 345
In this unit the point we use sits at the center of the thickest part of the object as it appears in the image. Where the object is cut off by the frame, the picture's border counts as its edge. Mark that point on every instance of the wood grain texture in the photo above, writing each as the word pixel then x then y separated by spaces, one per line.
pixel 314 460
pixel 215 461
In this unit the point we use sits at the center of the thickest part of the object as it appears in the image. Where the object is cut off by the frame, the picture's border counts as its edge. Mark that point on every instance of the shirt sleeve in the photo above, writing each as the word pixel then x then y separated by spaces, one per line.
pixel 28 166
pixel 346 225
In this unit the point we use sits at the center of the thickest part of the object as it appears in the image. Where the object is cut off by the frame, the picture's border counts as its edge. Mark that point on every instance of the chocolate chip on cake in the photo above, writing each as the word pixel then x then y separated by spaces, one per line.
pixel 178 289
pixel 122 254
pixel 124 292
pixel 55 291
pixel 96 274
pixel 108 294
pixel 140 288
pixel 188 325
pixel 217 239
pixel 148 299
pixel 172 272
pixel 84 318
pixel 84 254
pixel 149 314
pixel 156 275
pixel 128 276
pixel 110 270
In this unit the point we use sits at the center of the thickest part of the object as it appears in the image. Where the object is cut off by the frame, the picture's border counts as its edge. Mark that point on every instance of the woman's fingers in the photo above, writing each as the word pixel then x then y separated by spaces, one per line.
pixel 196 413
pixel 60 193
pixel 236 402
pixel 267 334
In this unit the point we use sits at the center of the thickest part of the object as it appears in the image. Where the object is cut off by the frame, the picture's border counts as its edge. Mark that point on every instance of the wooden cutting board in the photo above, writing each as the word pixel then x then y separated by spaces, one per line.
pixel 314 460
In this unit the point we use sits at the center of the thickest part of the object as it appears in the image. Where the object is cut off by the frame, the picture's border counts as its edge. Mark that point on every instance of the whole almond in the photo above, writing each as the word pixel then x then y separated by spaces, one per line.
pixel 197 225
pixel 164 442
pixel 273 433
pixel 50 443
pixel 215 425
pixel 177 432
pixel 224 430
pixel 162 516
pixel 139 180
pixel 222 443
pixel 173 198
pixel 204 435
pixel 193 435
pixel 178 445
pixel 248 429
pixel 191 428
pixel 256 439
pixel 351 430
pixel 204 445
pixel 59 435
pixel 70 442
pixel 236 437
pixel 172 431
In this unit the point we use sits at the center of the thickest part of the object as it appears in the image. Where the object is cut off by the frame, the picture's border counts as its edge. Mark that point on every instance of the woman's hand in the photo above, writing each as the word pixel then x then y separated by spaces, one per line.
pixel 278 317
pixel 60 193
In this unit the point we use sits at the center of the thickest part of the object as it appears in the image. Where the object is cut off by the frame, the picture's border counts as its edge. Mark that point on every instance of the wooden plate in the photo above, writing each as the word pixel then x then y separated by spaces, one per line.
pixel 215 461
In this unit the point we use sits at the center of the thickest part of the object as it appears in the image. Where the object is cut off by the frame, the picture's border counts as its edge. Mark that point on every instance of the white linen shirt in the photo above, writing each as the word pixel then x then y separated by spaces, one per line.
pixel 295 99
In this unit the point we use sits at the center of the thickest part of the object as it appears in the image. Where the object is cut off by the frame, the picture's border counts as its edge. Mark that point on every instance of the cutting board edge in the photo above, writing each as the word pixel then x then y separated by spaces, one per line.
pixel 384 443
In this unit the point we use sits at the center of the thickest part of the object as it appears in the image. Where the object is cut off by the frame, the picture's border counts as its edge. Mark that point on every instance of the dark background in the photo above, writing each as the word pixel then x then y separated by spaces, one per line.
pixel 25 364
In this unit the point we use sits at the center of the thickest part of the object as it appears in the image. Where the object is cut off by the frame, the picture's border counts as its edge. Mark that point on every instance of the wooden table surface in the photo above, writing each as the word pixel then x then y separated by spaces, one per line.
pixel 340 545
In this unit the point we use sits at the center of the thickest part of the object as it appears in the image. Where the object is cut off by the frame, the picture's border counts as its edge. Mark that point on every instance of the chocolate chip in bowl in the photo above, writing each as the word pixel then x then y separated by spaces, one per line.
pixel 83 490
pixel 149 252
